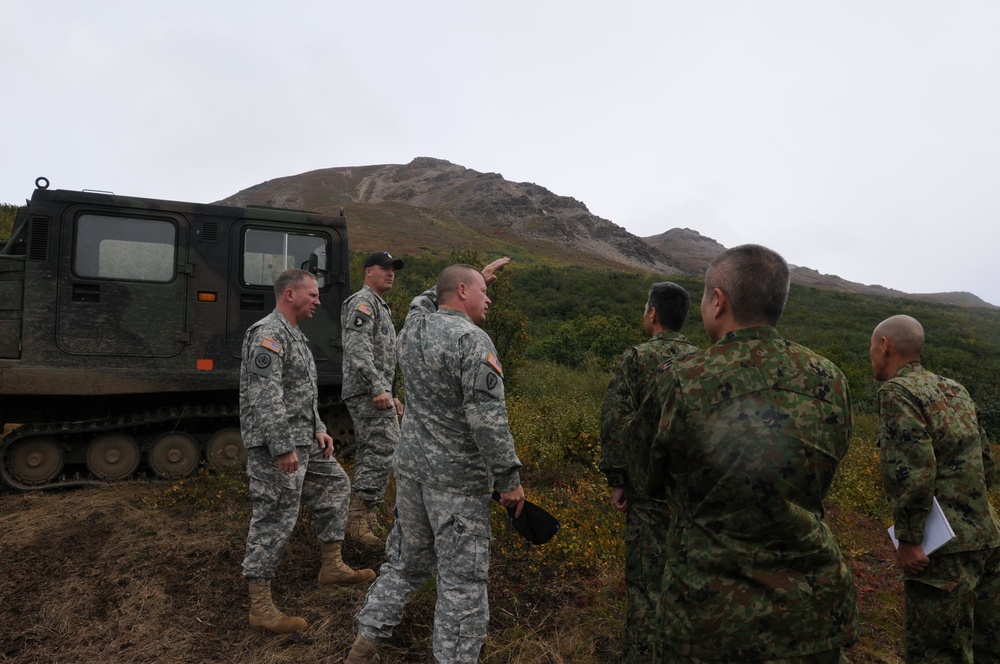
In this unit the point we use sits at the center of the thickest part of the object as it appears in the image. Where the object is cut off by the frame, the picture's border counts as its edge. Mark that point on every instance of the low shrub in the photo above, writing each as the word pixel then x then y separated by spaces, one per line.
pixel 858 483
pixel 554 417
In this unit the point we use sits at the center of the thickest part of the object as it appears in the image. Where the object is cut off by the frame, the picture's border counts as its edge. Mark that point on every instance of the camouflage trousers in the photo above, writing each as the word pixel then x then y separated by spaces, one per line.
pixel 646 524
pixel 377 436
pixel 319 482
pixel 452 532
pixel 953 609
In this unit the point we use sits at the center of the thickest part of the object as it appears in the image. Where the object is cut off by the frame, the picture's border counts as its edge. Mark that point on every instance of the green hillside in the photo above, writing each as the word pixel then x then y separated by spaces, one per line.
pixel 582 316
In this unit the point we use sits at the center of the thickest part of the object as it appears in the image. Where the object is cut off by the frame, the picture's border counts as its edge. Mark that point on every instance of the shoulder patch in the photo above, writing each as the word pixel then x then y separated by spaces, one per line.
pixel 491 376
pixel 263 359
pixel 366 309
pixel 360 322
pixel 271 344
pixel 494 362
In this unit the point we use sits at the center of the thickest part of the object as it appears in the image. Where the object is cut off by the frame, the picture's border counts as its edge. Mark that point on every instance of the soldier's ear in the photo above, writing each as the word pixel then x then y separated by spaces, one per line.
pixel 719 302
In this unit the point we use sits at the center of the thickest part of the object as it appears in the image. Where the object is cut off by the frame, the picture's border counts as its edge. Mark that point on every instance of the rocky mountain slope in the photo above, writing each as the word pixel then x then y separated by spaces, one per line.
pixel 431 204
pixel 693 252
pixel 483 202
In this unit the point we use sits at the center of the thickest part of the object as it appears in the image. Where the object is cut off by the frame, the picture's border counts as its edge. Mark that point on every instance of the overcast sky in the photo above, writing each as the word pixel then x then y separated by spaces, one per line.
pixel 857 137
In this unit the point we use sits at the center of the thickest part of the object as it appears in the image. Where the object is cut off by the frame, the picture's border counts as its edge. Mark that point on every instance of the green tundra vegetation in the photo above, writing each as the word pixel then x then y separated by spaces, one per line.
pixel 584 318
pixel 7 215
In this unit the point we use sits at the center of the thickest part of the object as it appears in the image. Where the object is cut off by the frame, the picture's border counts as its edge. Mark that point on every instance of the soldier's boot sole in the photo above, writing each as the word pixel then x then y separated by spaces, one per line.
pixel 349 578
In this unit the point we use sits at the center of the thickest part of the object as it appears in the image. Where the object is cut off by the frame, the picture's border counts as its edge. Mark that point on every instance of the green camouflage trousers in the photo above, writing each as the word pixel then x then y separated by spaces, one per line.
pixel 953 609
pixel 646 524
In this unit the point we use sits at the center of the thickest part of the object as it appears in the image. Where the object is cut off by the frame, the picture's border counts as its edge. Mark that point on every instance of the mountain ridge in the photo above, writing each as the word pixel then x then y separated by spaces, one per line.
pixel 432 203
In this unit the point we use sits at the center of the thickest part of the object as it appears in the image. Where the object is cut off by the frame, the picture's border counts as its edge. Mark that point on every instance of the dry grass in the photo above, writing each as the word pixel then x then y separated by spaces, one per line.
pixel 127 574
pixel 150 571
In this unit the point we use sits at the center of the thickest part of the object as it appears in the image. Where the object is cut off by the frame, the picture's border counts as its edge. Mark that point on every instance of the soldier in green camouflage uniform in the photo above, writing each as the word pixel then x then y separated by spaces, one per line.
pixel 368 390
pixel 751 432
pixel 455 448
pixel 932 444
pixel 289 453
pixel 623 460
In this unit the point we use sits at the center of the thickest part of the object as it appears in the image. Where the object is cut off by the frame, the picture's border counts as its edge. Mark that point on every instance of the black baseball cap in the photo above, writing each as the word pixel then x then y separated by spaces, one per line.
pixel 383 259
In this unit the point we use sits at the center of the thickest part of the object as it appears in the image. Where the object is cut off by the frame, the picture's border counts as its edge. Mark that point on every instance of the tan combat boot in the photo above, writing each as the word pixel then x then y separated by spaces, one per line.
pixel 359 522
pixel 335 572
pixel 363 652
pixel 263 612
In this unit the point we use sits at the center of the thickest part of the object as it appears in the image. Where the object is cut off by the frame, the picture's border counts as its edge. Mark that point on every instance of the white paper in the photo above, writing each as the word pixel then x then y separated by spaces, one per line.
pixel 937 530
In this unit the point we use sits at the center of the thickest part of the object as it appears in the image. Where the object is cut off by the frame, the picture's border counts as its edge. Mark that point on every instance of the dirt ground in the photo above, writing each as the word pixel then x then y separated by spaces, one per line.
pixel 149 571
pixel 143 572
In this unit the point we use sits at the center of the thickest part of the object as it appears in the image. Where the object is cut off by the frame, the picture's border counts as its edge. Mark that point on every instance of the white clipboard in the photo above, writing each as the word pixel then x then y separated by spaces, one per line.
pixel 937 530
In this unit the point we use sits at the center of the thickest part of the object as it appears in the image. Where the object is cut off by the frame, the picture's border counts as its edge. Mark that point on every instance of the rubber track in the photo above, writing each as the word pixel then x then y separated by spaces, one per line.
pixel 97 426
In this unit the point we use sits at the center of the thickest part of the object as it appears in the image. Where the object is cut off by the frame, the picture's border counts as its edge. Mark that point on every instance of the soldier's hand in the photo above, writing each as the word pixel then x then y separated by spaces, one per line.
pixel 513 498
pixel 619 498
pixel 399 406
pixel 911 558
pixel 382 401
pixel 288 462
pixel 325 441
pixel 490 271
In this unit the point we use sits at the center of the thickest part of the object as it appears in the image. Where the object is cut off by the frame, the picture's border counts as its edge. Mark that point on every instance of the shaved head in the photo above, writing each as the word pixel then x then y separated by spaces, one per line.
pixel 896 341
pixel 904 332
pixel 451 277
pixel 463 288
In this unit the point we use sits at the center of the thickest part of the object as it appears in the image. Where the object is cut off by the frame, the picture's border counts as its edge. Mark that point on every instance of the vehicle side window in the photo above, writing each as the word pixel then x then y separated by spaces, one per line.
pixel 125 248
pixel 266 254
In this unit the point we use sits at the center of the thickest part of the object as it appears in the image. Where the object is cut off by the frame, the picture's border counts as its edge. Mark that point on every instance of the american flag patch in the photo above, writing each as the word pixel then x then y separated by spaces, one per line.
pixel 271 344
pixel 365 309
pixel 494 362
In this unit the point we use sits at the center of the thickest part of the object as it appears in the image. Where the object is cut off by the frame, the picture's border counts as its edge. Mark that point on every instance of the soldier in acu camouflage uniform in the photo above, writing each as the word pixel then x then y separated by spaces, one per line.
pixel 751 432
pixel 455 448
pixel 623 459
pixel 369 381
pixel 289 453
pixel 932 444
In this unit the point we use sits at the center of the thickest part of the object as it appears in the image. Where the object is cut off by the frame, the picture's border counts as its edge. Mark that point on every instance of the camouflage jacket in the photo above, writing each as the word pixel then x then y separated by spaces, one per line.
pixel 932 444
pixel 454 435
pixel 623 457
pixel 751 432
pixel 278 387
pixel 369 345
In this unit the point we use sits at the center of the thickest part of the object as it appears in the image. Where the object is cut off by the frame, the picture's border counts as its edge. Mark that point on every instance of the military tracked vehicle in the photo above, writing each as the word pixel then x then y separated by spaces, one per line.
pixel 121 325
